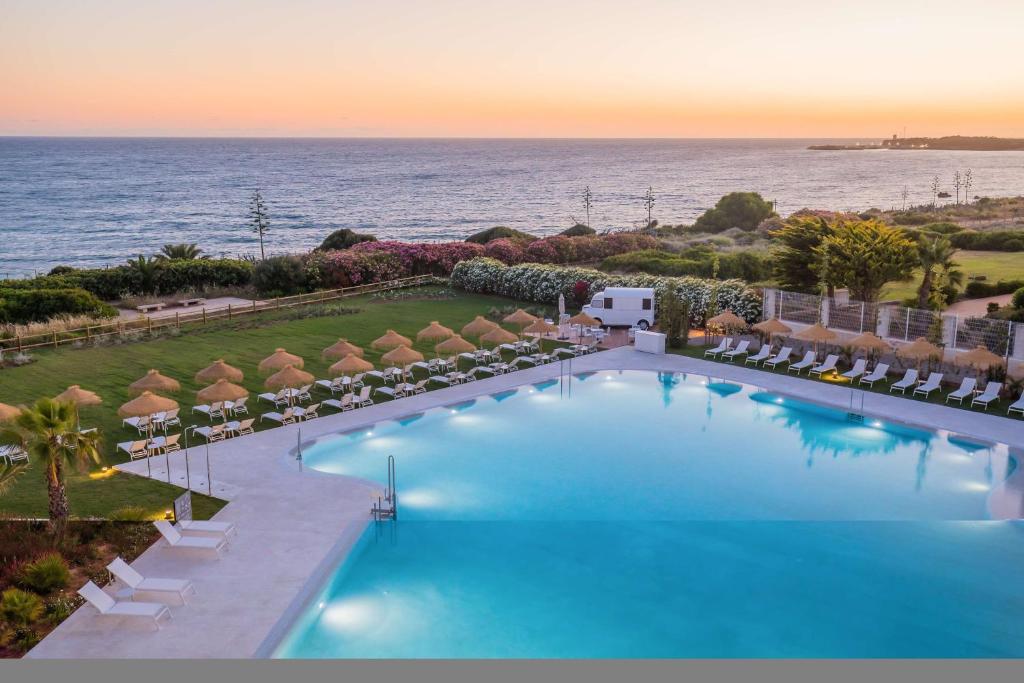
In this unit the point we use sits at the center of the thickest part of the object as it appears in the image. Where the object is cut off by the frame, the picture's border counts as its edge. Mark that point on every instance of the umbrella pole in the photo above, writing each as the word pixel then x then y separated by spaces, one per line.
pixel 188 480
pixel 209 483
pixel 149 466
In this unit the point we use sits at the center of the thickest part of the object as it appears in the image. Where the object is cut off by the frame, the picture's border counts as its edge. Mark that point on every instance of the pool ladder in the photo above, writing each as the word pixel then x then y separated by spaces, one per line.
pixel 856 414
pixel 386 506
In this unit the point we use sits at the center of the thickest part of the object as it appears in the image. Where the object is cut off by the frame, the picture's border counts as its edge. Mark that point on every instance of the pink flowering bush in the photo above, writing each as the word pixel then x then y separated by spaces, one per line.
pixel 507 251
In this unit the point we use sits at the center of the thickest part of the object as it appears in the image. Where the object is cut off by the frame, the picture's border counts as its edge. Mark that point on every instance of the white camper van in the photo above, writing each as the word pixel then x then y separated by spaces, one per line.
pixel 623 306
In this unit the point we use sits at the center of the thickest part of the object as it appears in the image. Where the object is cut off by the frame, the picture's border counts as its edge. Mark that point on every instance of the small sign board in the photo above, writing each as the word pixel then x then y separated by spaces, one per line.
pixel 183 507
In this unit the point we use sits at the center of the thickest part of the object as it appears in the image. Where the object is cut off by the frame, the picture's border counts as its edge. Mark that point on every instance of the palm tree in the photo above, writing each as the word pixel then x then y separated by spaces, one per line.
pixel 179 252
pixel 146 270
pixel 935 253
pixel 47 432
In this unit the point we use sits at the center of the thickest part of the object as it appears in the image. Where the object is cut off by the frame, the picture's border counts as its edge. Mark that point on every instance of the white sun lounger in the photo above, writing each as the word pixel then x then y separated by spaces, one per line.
pixel 335 386
pixel 781 357
pixel 763 353
pixel 722 347
pixel 109 607
pixel 829 365
pixel 909 380
pixel 205 527
pixel 211 434
pixel 967 387
pixel 278 399
pixel 175 541
pixel 1017 406
pixel 175 587
pixel 933 382
pixel 809 359
pixel 857 370
pixel 740 350
pixel 344 404
pixel 363 398
pixel 285 418
pixel 990 394
pixel 879 374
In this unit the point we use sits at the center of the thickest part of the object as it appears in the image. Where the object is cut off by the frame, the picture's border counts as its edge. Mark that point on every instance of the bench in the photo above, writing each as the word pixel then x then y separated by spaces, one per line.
pixel 146 308
pixel 198 301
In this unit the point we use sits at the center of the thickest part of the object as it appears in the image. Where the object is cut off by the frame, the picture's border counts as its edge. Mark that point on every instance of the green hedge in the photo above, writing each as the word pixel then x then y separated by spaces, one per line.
pixel 21 306
pixel 697 261
pixel 998 240
pixel 976 289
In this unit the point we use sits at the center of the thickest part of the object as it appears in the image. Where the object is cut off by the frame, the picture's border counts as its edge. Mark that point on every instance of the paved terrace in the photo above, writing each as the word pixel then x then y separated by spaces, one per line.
pixel 293 525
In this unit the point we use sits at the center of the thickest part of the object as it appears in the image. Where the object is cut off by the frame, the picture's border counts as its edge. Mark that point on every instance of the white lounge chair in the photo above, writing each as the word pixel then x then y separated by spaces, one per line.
pixel 205 527
pixel 140 584
pixel 140 423
pixel 933 382
pixel 966 389
pixel 879 374
pixel 740 350
pixel 278 399
pixel 909 380
pixel 363 398
pixel 831 361
pixel 344 404
pixel 808 361
pixel 722 347
pixel 134 449
pixel 990 394
pixel 285 418
pixel 441 379
pixel 212 410
pixel 781 357
pixel 338 385
pixel 176 541
pixel 474 372
pixel 170 419
pixel 109 607
pixel 211 434
pixel 239 407
pixel 763 353
pixel 237 428
pixel 857 370
pixel 1017 406
pixel 13 454
pixel 307 413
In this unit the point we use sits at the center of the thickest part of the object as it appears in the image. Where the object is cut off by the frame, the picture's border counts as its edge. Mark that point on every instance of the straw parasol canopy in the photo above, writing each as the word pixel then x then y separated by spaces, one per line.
pixel 520 318
pixel 342 348
pixel 8 412
pixel 869 342
pixel 221 390
pixel 478 327
pixel 455 344
pixel 79 396
pixel 219 370
pixel 402 355
pixel 435 331
pixel 350 365
pixel 146 404
pixel 499 336
pixel 919 349
pixel 279 360
pixel 979 357
pixel 288 377
pixel 390 340
pixel 540 327
pixel 727 320
pixel 582 318
pixel 815 333
pixel 772 327
pixel 154 381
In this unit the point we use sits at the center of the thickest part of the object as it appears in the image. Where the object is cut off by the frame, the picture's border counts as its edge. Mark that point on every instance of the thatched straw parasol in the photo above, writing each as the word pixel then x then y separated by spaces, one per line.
pixel 390 340
pixel 340 349
pixel 979 357
pixel 288 377
pixel 478 327
pixel 727 320
pixel 435 331
pixel 154 381
pixel 540 328
pixel 870 342
pixel 455 344
pixel 583 319
pixel 78 396
pixel 520 318
pixel 8 412
pixel 499 336
pixel 146 404
pixel 221 390
pixel 920 349
pixel 772 327
pixel 350 365
pixel 402 356
pixel 219 370
pixel 279 360
pixel 815 333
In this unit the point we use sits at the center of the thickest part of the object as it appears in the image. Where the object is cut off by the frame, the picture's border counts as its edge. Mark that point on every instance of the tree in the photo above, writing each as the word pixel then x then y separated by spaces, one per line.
pixel 674 316
pixel 343 239
pixel 258 219
pixel 935 190
pixel 794 259
pixel 934 252
pixel 48 432
pixel 179 252
pixel 146 269
pixel 864 255
pixel 968 183
pixel 957 184
pixel 587 200
pixel 743 210
pixel 8 473
pixel 649 204
pixel 904 195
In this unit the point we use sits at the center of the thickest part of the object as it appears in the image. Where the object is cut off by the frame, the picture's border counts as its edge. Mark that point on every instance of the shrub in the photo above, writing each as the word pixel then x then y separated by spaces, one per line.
pixel 944 228
pixel 698 261
pixel 977 289
pixel 498 232
pixel 20 306
pixel 1018 299
pixel 129 513
pixel 343 239
pixel 578 230
pixel 506 250
pixel 744 210
pixel 280 276
pixel 997 240
pixel 20 608
pixel 45 575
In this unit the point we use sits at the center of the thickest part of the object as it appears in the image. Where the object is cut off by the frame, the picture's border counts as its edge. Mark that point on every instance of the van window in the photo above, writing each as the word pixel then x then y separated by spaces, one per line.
pixel 608 302
pixel 647 304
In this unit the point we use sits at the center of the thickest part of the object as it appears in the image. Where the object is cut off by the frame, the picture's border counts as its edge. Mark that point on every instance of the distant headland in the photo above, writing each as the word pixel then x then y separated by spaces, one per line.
pixel 949 142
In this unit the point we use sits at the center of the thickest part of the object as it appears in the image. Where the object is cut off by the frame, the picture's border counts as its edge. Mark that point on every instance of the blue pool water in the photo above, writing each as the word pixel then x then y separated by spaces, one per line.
pixel 639 514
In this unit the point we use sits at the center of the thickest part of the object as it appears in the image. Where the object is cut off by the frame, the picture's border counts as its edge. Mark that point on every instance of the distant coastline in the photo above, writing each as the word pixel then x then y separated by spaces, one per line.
pixel 947 143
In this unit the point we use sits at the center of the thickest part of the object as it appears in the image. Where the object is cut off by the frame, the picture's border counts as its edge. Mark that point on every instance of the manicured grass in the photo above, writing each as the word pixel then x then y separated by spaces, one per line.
pixel 109 370
pixel 994 265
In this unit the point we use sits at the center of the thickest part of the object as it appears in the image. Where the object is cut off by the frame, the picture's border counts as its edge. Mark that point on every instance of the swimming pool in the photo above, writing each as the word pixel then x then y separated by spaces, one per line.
pixel 641 514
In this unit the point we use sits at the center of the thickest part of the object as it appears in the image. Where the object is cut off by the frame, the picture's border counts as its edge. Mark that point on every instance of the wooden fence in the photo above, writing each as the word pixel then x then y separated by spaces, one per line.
pixel 200 316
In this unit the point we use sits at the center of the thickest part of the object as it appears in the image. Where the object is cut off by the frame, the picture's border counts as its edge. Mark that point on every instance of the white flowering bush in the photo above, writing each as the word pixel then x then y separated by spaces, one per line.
pixel 543 283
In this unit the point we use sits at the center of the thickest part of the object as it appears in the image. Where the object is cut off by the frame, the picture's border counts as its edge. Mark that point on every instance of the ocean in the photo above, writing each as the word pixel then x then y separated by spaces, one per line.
pixel 97 201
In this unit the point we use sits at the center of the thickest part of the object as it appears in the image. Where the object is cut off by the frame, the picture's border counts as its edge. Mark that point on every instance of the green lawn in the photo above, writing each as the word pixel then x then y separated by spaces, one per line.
pixel 109 370
pixel 994 265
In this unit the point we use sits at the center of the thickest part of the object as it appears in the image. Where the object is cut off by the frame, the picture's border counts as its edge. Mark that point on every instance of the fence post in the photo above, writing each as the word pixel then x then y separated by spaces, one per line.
pixel 204 315
pixel 254 305
pixel 87 335
pixel 120 329
pixel 229 311
pixel 149 325
pixel 19 343
pixel 956 330
pixel 906 327
pixel 177 320
pixel 55 339
pixel 862 317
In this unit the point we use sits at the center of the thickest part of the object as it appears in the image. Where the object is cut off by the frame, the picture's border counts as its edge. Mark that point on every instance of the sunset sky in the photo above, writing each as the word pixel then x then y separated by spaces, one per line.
pixel 557 68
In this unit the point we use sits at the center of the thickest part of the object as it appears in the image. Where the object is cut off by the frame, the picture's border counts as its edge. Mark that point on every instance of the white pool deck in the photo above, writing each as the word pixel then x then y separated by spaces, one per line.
pixel 294 525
